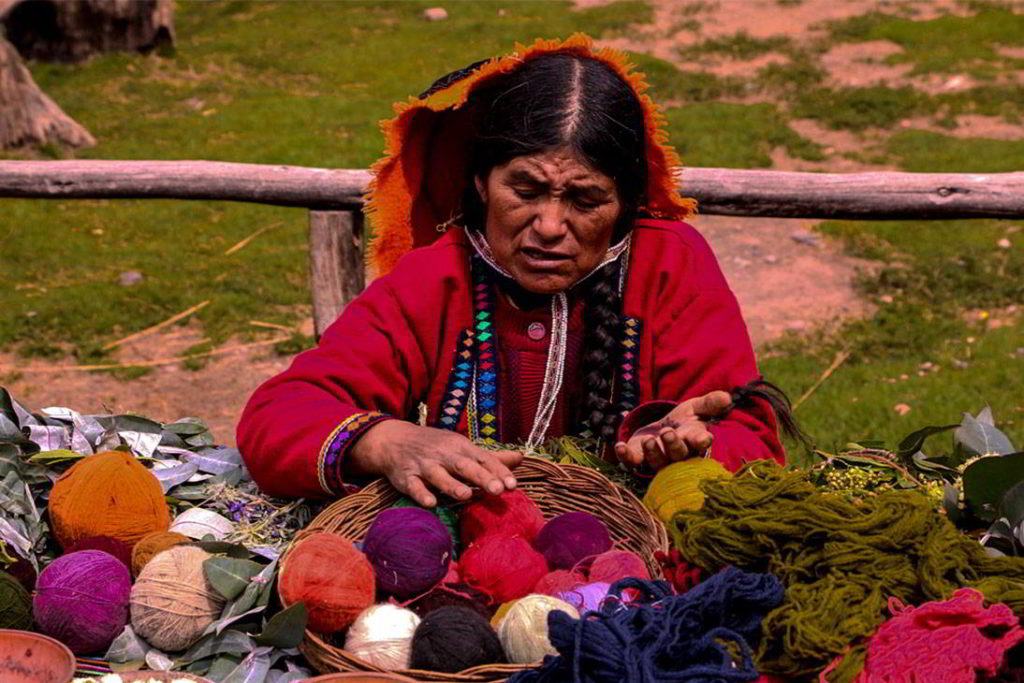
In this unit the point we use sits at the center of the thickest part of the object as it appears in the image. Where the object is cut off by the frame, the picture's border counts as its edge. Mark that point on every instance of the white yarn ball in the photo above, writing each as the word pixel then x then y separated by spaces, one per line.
pixel 524 630
pixel 382 636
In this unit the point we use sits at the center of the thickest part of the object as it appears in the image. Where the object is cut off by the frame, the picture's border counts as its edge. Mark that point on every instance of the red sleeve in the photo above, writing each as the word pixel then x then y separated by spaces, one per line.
pixel 298 426
pixel 701 346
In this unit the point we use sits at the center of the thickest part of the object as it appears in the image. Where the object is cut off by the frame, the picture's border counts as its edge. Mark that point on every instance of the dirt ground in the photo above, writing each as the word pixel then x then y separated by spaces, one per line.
pixel 785 276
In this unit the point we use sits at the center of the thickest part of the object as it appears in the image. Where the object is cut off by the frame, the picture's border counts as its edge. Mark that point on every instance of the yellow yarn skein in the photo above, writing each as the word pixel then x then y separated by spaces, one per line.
pixel 524 630
pixel 677 487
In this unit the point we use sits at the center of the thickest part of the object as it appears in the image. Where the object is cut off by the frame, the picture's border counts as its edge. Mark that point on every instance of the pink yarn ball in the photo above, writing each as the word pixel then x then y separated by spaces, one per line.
pixel 617 564
pixel 81 599
pixel 558 581
pixel 571 537
pixel 586 598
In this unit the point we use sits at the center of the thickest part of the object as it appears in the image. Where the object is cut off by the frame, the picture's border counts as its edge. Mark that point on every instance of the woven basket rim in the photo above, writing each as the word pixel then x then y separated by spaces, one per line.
pixel 583 485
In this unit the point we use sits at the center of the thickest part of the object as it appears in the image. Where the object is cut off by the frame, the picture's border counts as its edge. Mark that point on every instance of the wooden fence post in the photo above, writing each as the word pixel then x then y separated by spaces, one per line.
pixel 336 272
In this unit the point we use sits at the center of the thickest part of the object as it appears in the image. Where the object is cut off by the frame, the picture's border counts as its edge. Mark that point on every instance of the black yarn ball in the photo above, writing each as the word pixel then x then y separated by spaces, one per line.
pixel 452 595
pixel 451 639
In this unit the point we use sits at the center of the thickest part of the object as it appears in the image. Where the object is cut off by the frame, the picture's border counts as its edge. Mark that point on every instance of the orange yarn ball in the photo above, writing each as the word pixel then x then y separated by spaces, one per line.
pixel 107 494
pixel 153 544
pixel 335 580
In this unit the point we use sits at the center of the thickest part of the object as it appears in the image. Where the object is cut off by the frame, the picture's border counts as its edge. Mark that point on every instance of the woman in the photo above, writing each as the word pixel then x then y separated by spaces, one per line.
pixel 562 296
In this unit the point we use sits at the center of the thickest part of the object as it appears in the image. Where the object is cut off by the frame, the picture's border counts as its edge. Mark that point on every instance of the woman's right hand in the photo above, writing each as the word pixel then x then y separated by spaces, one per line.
pixel 416 459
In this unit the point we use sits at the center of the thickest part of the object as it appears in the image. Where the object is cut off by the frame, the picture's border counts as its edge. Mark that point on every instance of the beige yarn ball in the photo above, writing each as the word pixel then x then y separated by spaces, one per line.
pixel 524 630
pixel 382 636
pixel 171 601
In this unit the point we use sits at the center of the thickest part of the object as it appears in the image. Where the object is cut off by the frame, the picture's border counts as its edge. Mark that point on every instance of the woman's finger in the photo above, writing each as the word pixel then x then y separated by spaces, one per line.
pixel 628 456
pixel 712 404
pixel 652 453
pixel 413 487
pixel 498 468
pixel 468 469
pixel 676 447
pixel 437 476
pixel 696 436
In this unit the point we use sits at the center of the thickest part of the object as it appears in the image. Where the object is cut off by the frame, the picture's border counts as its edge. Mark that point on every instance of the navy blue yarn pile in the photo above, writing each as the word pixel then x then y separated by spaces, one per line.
pixel 661 636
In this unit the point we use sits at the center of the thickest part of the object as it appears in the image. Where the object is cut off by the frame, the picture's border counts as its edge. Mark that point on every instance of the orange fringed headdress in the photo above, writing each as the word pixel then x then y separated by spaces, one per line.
pixel 417 187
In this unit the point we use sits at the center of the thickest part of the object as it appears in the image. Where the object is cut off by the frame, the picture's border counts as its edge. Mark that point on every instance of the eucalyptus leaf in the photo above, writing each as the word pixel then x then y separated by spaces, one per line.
pixel 213 645
pixel 986 481
pixel 951 502
pixel 158 661
pixel 985 416
pixel 216 460
pixel 253 669
pixel 173 476
pixel 913 442
pixel 286 628
pixel 143 444
pixel 48 438
pixel 127 648
pixel 981 438
pixel 1000 536
pixel 229 576
pixel 222 666
pixel 55 457
pixel 9 428
pixel 224 548
pixel 1011 506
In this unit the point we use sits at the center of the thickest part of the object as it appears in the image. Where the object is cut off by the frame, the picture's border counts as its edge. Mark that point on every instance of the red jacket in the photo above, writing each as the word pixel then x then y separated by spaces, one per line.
pixel 397 344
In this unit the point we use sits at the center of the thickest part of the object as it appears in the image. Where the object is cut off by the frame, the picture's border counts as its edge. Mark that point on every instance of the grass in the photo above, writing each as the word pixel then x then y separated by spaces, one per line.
pixel 859 108
pixel 739 45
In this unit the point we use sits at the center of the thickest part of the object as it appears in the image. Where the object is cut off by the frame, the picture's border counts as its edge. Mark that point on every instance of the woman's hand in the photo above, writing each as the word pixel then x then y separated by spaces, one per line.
pixel 681 434
pixel 414 458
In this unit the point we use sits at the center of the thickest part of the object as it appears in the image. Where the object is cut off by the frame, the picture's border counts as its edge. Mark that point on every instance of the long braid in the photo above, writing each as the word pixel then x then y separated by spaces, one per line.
pixel 602 323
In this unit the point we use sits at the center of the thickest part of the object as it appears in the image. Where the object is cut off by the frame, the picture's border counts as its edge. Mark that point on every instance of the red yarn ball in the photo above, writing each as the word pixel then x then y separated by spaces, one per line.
pixel 334 579
pixel 617 564
pixel 107 544
pixel 571 537
pixel 504 567
pixel 511 514
pixel 559 581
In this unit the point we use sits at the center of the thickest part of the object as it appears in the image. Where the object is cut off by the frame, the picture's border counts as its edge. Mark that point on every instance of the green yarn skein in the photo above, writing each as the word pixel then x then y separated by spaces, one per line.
pixel 840 561
pixel 15 604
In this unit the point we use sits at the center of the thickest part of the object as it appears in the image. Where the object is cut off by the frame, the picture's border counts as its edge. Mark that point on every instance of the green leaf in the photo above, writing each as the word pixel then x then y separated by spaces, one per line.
pixel 1011 507
pixel 286 628
pixel 986 481
pixel 950 502
pixel 236 550
pixel 981 438
pixel 913 442
pixel 229 576
pixel 55 457
pixel 227 643
pixel 128 649
pixel 188 426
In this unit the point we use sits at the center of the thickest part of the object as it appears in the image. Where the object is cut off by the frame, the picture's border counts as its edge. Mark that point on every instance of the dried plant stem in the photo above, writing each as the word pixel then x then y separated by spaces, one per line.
pixel 159 326
pixel 840 358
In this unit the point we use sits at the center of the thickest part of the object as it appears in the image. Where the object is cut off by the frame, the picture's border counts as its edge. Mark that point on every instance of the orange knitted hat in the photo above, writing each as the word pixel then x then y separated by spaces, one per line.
pixel 418 185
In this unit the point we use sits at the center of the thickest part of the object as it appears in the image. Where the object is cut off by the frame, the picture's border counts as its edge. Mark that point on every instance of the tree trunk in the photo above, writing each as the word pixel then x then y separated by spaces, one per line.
pixel 27 116
pixel 72 30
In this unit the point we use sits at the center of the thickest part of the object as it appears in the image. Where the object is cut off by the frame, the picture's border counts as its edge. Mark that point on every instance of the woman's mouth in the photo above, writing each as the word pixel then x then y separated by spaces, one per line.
pixel 542 259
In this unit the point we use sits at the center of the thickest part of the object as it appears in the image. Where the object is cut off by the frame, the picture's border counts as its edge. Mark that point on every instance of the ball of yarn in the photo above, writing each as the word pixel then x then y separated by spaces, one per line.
pixel 586 598
pixel 524 630
pixel 557 581
pixel 382 636
pixel 15 604
pixel 81 599
pixel 107 494
pixel 500 614
pixel 153 544
pixel 111 546
pixel 570 537
pixel 334 579
pixel 504 567
pixel 510 513
pixel 677 487
pixel 409 549
pixel 448 516
pixel 452 595
pixel 452 639
pixel 24 572
pixel 172 602
pixel 617 564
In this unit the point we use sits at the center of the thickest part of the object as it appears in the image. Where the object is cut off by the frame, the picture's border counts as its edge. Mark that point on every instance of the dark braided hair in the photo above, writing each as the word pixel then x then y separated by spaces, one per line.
pixel 564 100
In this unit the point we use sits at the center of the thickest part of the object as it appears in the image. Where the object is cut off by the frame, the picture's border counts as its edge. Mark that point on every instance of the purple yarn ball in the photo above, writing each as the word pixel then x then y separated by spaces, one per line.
pixel 410 550
pixel 81 599
pixel 586 598
pixel 571 537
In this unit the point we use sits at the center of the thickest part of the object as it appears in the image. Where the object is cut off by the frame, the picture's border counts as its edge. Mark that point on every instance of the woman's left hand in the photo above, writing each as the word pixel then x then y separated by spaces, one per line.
pixel 681 434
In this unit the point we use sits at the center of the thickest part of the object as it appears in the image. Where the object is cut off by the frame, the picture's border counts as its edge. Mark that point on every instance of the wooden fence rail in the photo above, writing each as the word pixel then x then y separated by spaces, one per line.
pixel 334 198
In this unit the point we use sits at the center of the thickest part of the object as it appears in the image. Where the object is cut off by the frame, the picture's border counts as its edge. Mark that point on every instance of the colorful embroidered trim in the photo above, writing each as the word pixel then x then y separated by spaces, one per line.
pixel 332 453
pixel 486 380
pixel 460 382
pixel 632 329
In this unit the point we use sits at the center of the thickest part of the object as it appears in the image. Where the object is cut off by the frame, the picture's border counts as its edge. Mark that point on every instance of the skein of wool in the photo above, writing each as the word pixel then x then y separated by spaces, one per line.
pixel 705 635
pixel 24 572
pixel 571 537
pixel 950 641
pixel 500 614
pixel 152 545
pixel 15 604
pixel 617 564
pixel 81 599
pixel 452 595
pixel 677 487
pixel 111 546
pixel 586 598
pixel 409 549
pixel 452 639
pixel 334 579
pixel 558 581
pixel 504 567
pixel 382 636
pixel 172 602
pixel 107 494
pixel 838 559
pixel 448 516
pixel 524 630
pixel 510 513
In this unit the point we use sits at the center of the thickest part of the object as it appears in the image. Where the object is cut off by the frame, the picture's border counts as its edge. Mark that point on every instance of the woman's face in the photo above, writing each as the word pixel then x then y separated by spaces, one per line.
pixel 550 218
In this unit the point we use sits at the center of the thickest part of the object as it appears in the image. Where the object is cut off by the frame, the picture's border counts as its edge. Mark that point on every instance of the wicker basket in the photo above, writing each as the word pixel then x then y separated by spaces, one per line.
pixel 554 488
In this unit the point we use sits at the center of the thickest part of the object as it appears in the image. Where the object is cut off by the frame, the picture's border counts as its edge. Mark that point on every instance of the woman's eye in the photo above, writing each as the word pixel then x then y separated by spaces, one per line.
pixel 526 194
pixel 585 206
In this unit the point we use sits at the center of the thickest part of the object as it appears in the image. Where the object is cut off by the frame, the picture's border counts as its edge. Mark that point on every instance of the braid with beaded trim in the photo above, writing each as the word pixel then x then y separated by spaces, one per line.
pixel 602 322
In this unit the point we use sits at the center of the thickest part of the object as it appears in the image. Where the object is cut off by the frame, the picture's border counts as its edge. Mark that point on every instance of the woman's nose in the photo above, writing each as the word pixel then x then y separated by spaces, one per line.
pixel 550 223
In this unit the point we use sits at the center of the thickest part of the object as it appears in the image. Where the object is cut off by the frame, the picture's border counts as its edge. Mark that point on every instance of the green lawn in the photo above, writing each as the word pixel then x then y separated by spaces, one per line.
pixel 306 83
